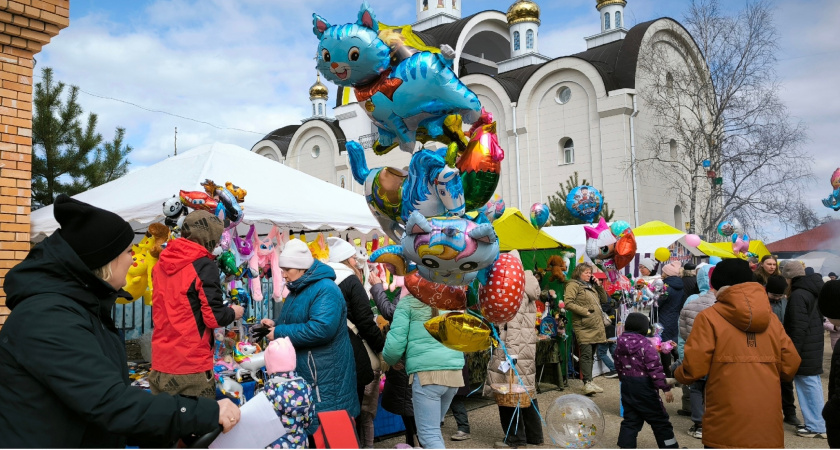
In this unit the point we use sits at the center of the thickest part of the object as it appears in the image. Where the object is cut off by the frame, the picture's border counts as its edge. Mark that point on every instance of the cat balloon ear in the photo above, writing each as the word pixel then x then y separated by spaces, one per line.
pixel 367 18
pixel 319 25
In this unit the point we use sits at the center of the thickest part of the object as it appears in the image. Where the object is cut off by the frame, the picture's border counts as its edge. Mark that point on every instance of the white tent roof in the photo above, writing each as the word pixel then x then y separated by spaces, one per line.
pixel 277 194
pixel 575 236
pixel 822 262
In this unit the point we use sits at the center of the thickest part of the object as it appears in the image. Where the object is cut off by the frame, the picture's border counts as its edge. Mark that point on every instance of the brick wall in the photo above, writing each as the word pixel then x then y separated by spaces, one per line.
pixel 25 27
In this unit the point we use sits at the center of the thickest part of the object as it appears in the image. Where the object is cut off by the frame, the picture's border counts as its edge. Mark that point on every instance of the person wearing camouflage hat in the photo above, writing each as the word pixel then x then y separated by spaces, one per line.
pixel 188 305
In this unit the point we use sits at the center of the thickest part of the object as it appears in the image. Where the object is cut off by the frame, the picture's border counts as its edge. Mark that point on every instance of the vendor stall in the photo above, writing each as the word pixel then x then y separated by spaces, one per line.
pixel 276 195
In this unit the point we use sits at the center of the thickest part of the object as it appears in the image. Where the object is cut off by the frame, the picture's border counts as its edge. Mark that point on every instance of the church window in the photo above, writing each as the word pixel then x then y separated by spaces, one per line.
pixel 529 39
pixel 678 217
pixel 515 40
pixel 316 150
pixel 669 83
pixel 606 21
pixel 313 109
pixel 618 19
pixel 672 145
pixel 564 94
pixel 342 181
pixel 320 109
pixel 568 152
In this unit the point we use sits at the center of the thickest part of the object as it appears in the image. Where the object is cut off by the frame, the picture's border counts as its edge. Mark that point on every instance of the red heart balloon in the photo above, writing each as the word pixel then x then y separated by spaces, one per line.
pixel 501 296
pixel 436 295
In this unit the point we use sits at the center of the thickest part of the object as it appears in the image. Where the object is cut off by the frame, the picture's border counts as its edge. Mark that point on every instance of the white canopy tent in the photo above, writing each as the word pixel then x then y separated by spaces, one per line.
pixel 575 236
pixel 822 262
pixel 277 194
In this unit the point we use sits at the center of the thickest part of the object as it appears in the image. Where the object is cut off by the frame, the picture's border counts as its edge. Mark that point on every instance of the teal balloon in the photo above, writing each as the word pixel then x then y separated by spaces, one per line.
pixel 619 227
pixel 539 215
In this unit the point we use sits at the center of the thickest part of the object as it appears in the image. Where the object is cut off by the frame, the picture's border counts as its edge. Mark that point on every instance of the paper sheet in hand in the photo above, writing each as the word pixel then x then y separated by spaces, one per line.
pixel 258 426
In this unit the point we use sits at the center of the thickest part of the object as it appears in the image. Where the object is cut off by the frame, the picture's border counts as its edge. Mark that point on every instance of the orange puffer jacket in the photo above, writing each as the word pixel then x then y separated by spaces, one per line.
pixel 743 348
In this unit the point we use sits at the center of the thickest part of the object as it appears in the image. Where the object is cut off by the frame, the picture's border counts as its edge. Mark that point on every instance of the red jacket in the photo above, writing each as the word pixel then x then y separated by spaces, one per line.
pixel 187 306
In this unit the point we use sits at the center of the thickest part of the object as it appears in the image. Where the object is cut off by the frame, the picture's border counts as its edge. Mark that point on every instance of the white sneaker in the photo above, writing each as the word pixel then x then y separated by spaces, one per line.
pixel 589 388
pixel 598 389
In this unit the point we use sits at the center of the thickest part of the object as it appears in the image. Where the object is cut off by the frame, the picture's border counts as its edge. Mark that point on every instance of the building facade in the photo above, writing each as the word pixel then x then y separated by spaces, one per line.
pixel 577 113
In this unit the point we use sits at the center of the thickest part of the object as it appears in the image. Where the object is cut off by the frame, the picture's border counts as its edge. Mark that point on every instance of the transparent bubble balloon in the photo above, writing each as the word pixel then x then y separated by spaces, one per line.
pixel 574 421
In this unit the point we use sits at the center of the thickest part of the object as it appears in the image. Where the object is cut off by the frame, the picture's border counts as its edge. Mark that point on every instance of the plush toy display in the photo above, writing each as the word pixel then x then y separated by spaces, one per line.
pixel 264 258
pixel 557 268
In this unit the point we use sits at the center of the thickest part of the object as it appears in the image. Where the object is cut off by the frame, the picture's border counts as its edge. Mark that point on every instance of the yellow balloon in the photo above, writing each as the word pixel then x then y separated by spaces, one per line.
pixel 460 331
pixel 662 254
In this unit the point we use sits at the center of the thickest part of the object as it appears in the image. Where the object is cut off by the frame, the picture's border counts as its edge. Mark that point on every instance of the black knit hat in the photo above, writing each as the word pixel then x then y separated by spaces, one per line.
pixel 776 284
pixel 96 235
pixel 829 301
pixel 637 323
pixel 690 266
pixel 730 272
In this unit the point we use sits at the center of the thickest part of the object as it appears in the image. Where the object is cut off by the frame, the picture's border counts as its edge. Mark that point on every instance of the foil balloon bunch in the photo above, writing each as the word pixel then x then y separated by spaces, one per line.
pixel 222 201
pixel 439 211
pixel 443 182
pixel 613 246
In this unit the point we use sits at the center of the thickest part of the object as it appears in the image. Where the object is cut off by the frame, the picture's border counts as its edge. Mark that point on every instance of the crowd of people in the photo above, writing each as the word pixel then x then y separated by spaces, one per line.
pixel 746 330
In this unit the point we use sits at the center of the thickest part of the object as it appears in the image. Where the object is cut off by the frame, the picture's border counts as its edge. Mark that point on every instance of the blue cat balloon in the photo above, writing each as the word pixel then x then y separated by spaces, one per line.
pixel 419 91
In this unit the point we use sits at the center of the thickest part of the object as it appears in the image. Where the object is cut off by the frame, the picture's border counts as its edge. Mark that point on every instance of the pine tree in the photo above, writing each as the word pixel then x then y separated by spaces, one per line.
pixel 66 157
pixel 560 215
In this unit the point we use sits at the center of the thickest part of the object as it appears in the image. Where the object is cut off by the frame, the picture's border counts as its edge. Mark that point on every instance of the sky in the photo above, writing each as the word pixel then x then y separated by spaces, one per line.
pixel 233 71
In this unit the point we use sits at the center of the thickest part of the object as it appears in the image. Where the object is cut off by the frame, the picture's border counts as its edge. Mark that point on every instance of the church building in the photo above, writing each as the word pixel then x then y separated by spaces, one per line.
pixel 556 116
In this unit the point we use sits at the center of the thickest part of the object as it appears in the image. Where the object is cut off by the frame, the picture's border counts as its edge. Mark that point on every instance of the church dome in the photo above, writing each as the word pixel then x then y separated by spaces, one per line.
pixel 318 90
pixel 523 11
pixel 603 3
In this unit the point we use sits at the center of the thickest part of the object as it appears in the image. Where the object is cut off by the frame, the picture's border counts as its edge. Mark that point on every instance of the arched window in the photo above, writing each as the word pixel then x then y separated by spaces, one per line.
pixel 320 109
pixel 316 150
pixel 618 19
pixel 313 109
pixel 568 152
pixel 673 147
pixel 678 218
pixel 669 83
pixel 529 39
pixel 341 180
pixel 606 21
pixel 515 40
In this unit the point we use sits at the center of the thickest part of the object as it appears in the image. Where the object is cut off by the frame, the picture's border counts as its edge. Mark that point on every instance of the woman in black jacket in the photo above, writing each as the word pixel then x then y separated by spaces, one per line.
pixel 396 395
pixel 62 364
pixel 803 323
pixel 829 303
pixel 360 321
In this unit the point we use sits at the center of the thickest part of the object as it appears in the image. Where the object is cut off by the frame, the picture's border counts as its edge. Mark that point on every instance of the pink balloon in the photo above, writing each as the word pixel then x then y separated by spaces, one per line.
pixel 692 240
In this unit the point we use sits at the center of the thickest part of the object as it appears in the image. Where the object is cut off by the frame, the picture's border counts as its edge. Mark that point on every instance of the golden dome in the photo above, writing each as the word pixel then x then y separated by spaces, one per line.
pixel 603 3
pixel 523 11
pixel 318 90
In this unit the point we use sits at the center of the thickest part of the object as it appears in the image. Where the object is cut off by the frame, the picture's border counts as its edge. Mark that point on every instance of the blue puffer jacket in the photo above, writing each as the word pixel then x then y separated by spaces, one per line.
pixel 314 317
pixel 694 304
pixel 408 340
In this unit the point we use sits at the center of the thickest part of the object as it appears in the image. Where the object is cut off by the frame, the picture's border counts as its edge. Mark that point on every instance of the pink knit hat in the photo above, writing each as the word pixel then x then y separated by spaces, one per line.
pixel 672 269
pixel 280 356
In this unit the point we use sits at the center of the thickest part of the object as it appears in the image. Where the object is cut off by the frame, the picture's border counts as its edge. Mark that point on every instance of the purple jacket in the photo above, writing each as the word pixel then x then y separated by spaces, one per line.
pixel 635 356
